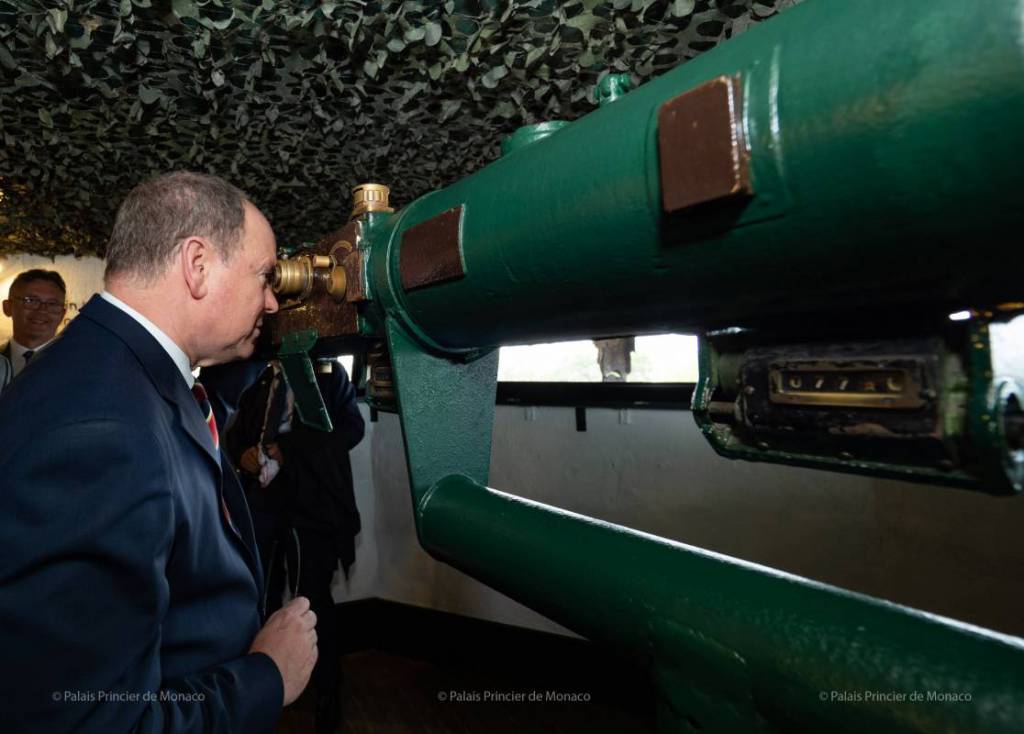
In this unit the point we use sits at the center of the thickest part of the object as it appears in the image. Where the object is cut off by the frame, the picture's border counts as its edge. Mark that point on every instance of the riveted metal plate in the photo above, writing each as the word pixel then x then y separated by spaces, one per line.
pixel 701 148
pixel 432 251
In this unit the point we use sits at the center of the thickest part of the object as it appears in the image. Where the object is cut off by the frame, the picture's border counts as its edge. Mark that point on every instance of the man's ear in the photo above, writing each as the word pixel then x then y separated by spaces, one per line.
pixel 196 258
pixel 7 307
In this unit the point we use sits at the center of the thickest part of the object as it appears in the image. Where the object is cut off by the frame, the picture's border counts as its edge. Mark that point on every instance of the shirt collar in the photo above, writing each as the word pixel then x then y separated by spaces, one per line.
pixel 18 350
pixel 173 350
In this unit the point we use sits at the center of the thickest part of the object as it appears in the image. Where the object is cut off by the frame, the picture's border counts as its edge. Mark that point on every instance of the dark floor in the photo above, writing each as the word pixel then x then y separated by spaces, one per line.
pixel 384 693
pixel 412 669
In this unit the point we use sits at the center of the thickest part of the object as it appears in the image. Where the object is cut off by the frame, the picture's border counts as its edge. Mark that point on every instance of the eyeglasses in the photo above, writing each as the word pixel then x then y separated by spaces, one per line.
pixel 34 304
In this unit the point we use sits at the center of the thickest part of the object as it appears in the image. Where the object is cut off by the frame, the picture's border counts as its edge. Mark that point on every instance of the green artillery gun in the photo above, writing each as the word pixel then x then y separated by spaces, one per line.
pixel 813 198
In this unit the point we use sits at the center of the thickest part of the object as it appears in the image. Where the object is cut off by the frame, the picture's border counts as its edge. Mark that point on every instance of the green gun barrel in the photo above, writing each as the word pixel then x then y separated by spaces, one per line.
pixel 883 144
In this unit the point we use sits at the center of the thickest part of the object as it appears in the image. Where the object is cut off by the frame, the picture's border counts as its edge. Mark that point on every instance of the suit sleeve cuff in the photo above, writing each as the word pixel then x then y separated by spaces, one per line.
pixel 267 685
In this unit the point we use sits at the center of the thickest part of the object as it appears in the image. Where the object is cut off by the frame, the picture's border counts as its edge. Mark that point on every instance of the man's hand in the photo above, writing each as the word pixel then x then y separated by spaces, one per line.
pixel 289 638
pixel 250 460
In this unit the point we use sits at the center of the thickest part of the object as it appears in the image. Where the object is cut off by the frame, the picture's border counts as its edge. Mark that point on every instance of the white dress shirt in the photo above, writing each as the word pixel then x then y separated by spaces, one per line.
pixel 18 354
pixel 173 350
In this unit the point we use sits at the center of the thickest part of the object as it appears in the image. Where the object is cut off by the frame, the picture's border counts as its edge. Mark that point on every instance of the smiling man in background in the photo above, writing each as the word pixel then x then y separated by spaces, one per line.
pixel 36 304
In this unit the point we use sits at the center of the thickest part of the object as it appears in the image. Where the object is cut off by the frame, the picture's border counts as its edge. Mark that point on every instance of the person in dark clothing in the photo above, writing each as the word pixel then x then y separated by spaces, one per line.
pixel 128 559
pixel 298 481
pixel 226 383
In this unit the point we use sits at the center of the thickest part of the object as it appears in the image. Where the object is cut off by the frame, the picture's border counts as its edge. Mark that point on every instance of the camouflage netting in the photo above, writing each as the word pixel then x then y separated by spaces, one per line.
pixel 295 102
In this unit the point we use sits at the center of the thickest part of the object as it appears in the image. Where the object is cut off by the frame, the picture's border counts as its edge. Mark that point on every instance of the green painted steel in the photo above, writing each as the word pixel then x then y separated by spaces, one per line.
pixel 530 134
pixel 612 87
pixel 298 372
pixel 883 143
pixel 734 646
pixel 730 646
pixel 447 411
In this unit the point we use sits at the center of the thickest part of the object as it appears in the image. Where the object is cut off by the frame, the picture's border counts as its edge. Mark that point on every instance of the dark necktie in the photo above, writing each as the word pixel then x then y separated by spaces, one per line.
pixel 211 422
pixel 204 405
pixel 28 355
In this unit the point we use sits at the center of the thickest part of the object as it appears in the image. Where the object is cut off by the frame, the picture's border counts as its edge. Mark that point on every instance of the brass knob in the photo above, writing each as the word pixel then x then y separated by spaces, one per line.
pixel 293 278
pixel 296 278
pixel 370 197
pixel 337 283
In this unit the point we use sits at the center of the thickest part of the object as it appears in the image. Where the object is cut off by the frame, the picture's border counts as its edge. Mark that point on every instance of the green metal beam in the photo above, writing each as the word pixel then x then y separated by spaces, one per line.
pixel 447 410
pixel 298 372
pixel 732 646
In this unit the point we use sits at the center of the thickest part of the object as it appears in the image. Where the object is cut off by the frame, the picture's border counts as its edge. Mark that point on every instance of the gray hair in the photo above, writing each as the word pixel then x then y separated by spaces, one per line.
pixel 158 214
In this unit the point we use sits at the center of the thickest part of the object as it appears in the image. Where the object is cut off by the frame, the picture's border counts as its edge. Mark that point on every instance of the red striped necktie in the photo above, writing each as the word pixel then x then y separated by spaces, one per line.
pixel 204 405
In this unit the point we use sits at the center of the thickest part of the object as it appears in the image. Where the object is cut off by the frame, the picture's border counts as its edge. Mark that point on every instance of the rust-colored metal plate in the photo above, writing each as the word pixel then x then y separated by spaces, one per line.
pixel 701 149
pixel 355 264
pixel 432 251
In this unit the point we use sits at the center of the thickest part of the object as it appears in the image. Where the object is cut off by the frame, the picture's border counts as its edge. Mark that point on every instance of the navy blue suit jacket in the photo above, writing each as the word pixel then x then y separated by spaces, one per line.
pixel 127 601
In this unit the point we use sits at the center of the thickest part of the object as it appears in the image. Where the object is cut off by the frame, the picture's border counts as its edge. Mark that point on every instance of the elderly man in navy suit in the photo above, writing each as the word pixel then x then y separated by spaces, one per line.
pixel 129 574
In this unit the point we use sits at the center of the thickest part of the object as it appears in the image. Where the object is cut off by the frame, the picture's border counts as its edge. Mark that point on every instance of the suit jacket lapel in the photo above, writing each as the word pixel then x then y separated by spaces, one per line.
pixel 171 385
pixel 162 371
pixel 244 532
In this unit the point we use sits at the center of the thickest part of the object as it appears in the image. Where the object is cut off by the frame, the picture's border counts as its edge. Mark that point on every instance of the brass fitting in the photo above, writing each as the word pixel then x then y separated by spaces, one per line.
pixel 337 278
pixel 337 282
pixel 293 278
pixel 296 278
pixel 370 197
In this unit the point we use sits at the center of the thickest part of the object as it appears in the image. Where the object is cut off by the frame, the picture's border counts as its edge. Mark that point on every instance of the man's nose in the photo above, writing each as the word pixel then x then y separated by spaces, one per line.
pixel 270 302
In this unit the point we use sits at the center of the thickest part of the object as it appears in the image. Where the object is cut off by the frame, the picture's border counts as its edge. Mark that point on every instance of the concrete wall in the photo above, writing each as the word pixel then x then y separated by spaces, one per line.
pixel 947 551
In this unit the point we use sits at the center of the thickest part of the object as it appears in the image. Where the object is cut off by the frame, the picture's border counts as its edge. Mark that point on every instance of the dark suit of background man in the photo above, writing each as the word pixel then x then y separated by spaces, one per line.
pixel 129 580
pixel 36 303
pixel 5 372
pixel 306 511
